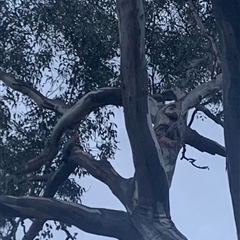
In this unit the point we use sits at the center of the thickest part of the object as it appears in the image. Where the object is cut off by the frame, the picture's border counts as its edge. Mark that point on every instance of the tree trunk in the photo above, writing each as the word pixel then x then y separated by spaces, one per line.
pixel 227 14
pixel 154 155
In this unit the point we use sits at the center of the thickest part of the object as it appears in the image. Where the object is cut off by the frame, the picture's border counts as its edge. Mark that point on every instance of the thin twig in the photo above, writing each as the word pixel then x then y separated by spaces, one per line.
pixel 192 117
pixel 191 160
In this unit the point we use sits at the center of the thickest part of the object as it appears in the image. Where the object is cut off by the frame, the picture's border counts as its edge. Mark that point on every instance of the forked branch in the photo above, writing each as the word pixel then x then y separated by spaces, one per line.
pixel 104 172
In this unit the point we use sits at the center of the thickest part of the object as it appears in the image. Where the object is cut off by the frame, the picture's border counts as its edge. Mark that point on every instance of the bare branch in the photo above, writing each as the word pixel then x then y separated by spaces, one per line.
pixel 98 221
pixel 101 170
pixel 207 112
pixel 56 104
pixel 191 160
pixel 92 101
pixel 192 118
pixel 34 229
pixel 203 144
pixel 88 103
pixel 26 89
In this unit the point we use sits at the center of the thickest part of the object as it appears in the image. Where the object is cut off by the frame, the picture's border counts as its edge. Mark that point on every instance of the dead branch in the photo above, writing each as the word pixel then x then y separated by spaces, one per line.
pixel 191 160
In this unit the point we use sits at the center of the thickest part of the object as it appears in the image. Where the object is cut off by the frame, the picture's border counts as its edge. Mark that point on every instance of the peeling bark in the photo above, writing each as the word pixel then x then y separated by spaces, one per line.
pixel 169 124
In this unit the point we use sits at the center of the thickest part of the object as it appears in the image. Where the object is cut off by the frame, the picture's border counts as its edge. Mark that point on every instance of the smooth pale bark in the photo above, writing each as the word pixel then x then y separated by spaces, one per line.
pixel 151 217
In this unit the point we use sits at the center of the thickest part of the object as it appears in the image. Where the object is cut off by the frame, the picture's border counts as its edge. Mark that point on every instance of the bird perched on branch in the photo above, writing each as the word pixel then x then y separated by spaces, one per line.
pixel 68 146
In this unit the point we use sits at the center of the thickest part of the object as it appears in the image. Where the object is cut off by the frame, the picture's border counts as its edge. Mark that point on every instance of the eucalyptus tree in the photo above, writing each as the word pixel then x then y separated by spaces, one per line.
pixel 60 60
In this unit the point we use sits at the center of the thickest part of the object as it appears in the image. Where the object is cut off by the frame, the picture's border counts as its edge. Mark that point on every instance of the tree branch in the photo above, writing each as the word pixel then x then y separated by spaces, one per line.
pixel 59 106
pixel 104 172
pixel 151 177
pixel 191 160
pixel 203 144
pixel 192 118
pixel 25 88
pixel 56 180
pixel 92 100
pixel 208 113
pixel 98 221
pixel 194 97
pixel 88 103
pixel 74 115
